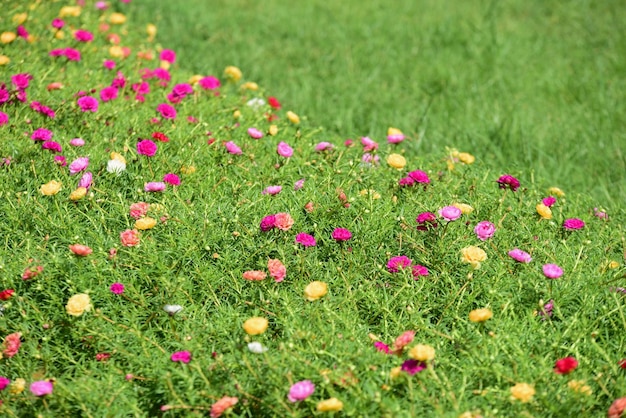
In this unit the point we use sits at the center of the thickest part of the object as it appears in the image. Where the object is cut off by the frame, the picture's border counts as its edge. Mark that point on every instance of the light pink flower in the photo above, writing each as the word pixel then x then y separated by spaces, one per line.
pixel 232 148
pixel 139 209
pixel 86 180
pixel 520 256
pixel 403 340
pixel 484 230
pixel 300 391
pixel 181 356
pixel 77 142
pixel 298 184
pixel 552 271
pixel 450 213
pixel 368 144
pixel 305 239
pixel 154 186
pixel 80 250
pixel 284 150
pixel 395 138
pixel 272 190
pixel 129 237
pixel 79 165
pixel 41 388
pixel 323 146
pixel 88 104
pixel 254 275
pixel 255 133
pixel 277 269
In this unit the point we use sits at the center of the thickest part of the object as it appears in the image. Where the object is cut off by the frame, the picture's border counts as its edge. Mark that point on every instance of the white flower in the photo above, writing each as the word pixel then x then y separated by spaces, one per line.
pixel 256 347
pixel 172 309
pixel 115 166
pixel 256 103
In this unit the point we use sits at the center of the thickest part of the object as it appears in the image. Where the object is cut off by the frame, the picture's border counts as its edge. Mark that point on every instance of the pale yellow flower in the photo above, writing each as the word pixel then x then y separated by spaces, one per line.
pixel 19 18
pixel 464 208
pixel 394 131
pixel 116 51
pixel 51 188
pixel 233 73
pixel 395 372
pixel 78 304
pixel 79 193
pixel 7 37
pixel 67 11
pixel 480 315
pixel 145 223
pixel 4 60
pixel 188 169
pixel 250 85
pixel 544 211
pixel 396 161
pixel 473 255
pixel 59 34
pixel 117 156
pixel 330 405
pixel 194 79
pixel 237 114
pixel 165 65
pixel 151 29
pixel 422 352
pixel 293 118
pixel 17 386
pixel 315 290
pixel 373 193
pixel 466 157
pixel 255 326
pixel 273 130
pixel 117 19
pixel 613 264
pixel 556 191
pixel 523 392
pixel 579 386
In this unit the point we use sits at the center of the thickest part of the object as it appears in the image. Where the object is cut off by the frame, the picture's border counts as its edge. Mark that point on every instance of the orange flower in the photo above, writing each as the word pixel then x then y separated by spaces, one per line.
pixel 80 249
pixel 284 221
pixel 218 408
pixel 254 275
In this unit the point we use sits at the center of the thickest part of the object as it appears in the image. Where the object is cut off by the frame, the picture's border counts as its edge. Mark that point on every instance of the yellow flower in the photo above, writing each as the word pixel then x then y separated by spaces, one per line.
pixel 273 130
pixel 20 18
pixel 464 208
pixel 195 79
pixel 250 85
pixel 255 326
pixel 59 34
pixel 78 304
pixel 396 161
pixel 7 37
pixel 237 114
pixel 117 156
pixel 544 211
pixel 556 191
pixel 17 386
pixel 4 60
pixel 330 405
pixel 145 223
pixel 116 51
pixel 315 290
pixel 79 193
pixel 613 264
pixel 422 352
pixel 151 29
pixel 394 131
pixel 188 169
pixel 580 387
pixel 51 188
pixel 373 193
pixel 473 255
pixel 66 11
pixel 480 315
pixel 466 158
pixel 293 118
pixel 165 65
pixel 117 19
pixel 233 73
pixel 395 372
pixel 523 392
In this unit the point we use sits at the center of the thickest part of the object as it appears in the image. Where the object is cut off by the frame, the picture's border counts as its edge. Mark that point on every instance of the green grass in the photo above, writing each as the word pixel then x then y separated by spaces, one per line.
pixel 536 85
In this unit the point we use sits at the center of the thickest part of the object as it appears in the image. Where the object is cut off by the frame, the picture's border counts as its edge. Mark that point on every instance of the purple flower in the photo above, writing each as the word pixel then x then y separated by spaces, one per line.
pixel 519 255
pixel 154 186
pixel 300 391
pixel 398 262
pixel 255 133
pixel 341 234
pixel 419 271
pixel 305 239
pixel 508 181
pixel 552 271
pixel 413 366
pixel 41 388
pixel 79 165
pixel 484 230
pixel 272 190
pixel 573 224
pixel 117 288
pixel 426 220
pixel 450 213
pixel 181 356
pixel 268 223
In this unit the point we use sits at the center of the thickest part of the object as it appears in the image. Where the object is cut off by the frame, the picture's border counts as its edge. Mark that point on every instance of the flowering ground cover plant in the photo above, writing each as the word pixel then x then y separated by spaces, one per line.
pixel 178 243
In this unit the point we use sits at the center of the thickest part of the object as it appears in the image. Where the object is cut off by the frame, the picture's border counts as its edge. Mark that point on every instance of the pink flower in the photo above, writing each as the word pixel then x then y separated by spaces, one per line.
pixel 484 230
pixel 232 148
pixel 406 182
pixel 108 93
pixel 209 83
pixel 450 213
pixel 395 138
pixel 166 111
pixel 117 288
pixel 255 133
pixel 154 186
pixel 413 366
pixel 77 142
pixel 86 180
pixel 181 356
pixel 168 55
pixel 403 340
pixel 79 165
pixel 4 118
pixel 600 214
pixel 368 144
pixel 419 271
pixel 341 234
pixel 172 179
pixel 508 181
pixel 398 262
pixel 41 134
pixel 519 255
pixel 284 150
pixel 277 269
pixel 549 201
pixel 382 347
pixel 80 250
pixel 60 160
pixel 4 382
pixel 300 391
pixel 573 224
pixel 419 176
pixel 147 148
pixel 88 104
pixel 369 159
pixel 139 209
pixel 219 407
pixel 254 275
pixel 272 190
pixel 546 310
pixel 298 184
pixel 52 146
pixel 283 221
pixel 268 223
pixel 82 35
pixel 552 271
pixel 323 146
pixel 12 344
pixel 426 220
pixel 41 388
pixel 129 237
pixel 31 272
pixel 305 239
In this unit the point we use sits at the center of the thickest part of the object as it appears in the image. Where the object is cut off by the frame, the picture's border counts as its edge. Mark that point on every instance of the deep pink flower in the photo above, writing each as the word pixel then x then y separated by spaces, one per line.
pixel 255 133
pixel 60 160
pixel 108 93
pixel 4 118
pixel 573 224
pixel 20 81
pixel 82 35
pixel 166 111
pixel 41 388
pixel 22 32
pixel 508 181
pixel 549 201
pixel 181 356
pixel 520 256
pixel 182 89
pixel 341 234
pixel 552 271
pixel 398 262
pixel 88 104
pixel 413 366
pixel 79 165
pixel 41 134
pixel 565 365
pixel 172 179
pixel 71 54
pixel 142 88
pixel 109 64
pixel 368 144
pixel 450 213
pixel 406 182
pixel 426 220
pixel 4 382
pixel 162 74
pixel 298 184
pixel 52 146
pixel 382 347
pixel 284 150
pixel 300 391
pixel 419 271
pixel 232 148
pixel 57 23
pixel 272 190
pixel 305 239
pixel 484 230
pixel 419 176
pixel 117 288
pixel 147 148
pixel 168 55
pixel 209 83
pixel 268 223
pixel 154 186
pixel 86 180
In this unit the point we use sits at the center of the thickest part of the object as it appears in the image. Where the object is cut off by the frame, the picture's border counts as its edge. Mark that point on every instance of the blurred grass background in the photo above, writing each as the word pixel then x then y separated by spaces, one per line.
pixel 536 88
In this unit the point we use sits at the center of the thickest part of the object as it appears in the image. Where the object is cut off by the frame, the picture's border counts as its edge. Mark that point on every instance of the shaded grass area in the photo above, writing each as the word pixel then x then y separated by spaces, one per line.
pixel 522 84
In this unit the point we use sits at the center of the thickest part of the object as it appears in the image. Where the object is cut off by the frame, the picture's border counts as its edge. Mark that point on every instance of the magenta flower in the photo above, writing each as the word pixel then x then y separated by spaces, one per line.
pixel 573 224
pixel 508 181
pixel 398 262
pixel 57 23
pixel 88 104
pixel 166 111
pixel 552 271
pixel 168 55
pixel 108 93
pixel 298 184
pixel 520 256
pixel 154 186
pixel 22 32
pixel 79 165
pixel 368 144
pixel 4 118
pixel 549 201
pixel 41 388
pixel 60 160
pixel 426 220
pixel 172 179
pixel 181 356
pixel 108 64
pixel 72 55
pixel 323 146
pixel 419 176
pixel 406 182
pixel 86 180
pixel 41 134
pixel 341 234
pixel 77 142
pixel 268 223
pixel 82 35
pixel 21 81
pixel 413 366
pixel 300 391
pixel 255 133
pixel 147 148
pixel 232 148
pixel 284 150
pixel 52 146
pixel 450 213
pixel 272 190
pixel 117 288
pixel 382 347
pixel 484 230
pixel 209 83
pixel 305 239
pixel 419 271
pixel 546 310
pixel 4 382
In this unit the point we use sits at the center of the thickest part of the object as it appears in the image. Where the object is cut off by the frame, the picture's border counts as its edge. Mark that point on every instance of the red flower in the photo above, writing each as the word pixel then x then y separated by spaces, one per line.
pixel 621 363
pixel 6 294
pixel 565 365
pixel 273 101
